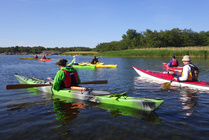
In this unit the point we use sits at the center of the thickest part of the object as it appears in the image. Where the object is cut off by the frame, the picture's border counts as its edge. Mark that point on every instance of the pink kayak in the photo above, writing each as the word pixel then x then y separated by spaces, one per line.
pixel 162 77
pixel 174 69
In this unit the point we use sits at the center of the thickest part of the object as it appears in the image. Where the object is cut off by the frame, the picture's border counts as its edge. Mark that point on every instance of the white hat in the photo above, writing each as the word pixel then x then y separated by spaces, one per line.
pixel 186 58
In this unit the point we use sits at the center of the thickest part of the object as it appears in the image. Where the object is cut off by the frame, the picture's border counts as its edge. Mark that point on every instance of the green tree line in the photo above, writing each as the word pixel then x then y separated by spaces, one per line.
pixel 40 49
pixel 154 39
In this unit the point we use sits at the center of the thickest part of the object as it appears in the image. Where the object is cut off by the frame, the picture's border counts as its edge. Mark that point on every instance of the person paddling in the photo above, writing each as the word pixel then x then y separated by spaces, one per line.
pixel 36 56
pixel 95 60
pixel 44 57
pixel 190 71
pixel 173 62
pixel 66 76
pixel 74 61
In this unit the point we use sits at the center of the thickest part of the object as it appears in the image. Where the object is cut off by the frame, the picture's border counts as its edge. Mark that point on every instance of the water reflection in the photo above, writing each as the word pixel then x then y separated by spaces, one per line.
pixel 188 99
pixel 116 111
pixel 66 112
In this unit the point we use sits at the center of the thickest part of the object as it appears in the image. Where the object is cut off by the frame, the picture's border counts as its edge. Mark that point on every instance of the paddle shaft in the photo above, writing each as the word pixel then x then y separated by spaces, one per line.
pixel 19 86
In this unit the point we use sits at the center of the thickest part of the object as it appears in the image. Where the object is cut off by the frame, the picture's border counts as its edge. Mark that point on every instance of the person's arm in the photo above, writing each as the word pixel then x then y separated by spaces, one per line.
pixel 71 63
pixel 60 76
pixel 170 63
pixel 186 70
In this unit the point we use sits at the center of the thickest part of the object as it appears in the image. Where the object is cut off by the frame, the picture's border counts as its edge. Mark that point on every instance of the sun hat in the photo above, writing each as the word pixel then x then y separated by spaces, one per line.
pixel 186 58
pixel 61 62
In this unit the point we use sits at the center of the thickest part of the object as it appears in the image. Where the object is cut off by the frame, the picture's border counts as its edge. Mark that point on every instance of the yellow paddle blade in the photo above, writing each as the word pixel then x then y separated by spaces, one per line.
pixel 166 85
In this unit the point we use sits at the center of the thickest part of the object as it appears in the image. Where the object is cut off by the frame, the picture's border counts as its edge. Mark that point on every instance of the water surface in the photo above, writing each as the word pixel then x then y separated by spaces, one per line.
pixel 30 114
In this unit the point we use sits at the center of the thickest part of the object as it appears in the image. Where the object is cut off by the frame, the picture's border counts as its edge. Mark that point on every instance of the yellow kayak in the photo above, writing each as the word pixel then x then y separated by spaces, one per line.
pixel 99 65
pixel 27 58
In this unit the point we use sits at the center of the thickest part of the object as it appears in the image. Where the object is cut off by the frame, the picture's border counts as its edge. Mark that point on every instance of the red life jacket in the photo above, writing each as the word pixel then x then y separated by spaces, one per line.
pixel 67 81
pixel 174 63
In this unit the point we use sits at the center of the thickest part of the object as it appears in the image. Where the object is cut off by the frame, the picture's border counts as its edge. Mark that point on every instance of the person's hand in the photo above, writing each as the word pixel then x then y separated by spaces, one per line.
pixel 175 78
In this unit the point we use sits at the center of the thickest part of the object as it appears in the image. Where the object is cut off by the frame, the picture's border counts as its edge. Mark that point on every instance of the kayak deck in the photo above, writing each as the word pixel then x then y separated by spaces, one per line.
pixel 96 96
pixel 99 65
pixel 84 66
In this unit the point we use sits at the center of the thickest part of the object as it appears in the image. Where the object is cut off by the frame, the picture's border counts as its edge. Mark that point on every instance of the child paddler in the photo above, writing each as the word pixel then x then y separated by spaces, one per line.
pixel 66 77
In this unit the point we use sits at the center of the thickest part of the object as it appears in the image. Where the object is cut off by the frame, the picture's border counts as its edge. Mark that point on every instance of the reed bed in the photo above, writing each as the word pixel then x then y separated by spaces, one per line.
pixel 157 53
pixel 198 52
pixel 82 53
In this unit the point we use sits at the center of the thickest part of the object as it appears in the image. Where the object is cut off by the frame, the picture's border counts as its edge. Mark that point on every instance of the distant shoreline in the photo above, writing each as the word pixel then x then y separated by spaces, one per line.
pixel 198 52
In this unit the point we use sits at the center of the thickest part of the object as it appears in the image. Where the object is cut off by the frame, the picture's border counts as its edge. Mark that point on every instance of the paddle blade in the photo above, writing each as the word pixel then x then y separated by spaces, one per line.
pixel 166 85
pixel 18 86
pixel 95 82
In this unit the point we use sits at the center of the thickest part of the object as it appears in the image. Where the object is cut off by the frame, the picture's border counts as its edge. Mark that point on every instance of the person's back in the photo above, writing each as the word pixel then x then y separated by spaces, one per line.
pixel 190 71
pixel 66 76
pixel 95 60
pixel 44 57
pixel 173 62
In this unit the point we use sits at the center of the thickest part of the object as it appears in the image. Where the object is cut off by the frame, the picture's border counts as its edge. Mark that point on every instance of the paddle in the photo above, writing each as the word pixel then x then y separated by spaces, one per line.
pixel 166 85
pixel 18 86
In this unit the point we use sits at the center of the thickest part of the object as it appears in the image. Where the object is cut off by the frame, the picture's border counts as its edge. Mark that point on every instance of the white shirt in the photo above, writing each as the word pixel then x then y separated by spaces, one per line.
pixel 76 59
pixel 186 71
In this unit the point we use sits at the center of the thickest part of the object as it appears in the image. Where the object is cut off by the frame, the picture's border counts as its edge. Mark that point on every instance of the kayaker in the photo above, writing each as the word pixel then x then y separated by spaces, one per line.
pixel 95 60
pixel 36 56
pixel 173 62
pixel 44 57
pixel 66 76
pixel 190 71
pixel 74 61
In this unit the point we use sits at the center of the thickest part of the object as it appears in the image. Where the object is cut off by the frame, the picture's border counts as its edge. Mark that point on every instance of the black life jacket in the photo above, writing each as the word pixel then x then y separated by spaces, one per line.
pixel 193 75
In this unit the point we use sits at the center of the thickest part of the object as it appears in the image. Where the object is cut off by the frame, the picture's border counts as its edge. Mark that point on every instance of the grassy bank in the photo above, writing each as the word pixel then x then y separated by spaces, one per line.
pixel 202 52
pixel 199 52
pixel 82 53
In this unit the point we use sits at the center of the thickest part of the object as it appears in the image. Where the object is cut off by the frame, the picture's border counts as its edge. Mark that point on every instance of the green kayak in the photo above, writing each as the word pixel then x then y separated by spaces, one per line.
pixel 84 66
pixel 100 97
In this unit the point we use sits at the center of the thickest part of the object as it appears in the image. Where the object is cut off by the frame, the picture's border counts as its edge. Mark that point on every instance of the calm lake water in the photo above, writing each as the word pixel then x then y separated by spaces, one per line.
pixel 30 114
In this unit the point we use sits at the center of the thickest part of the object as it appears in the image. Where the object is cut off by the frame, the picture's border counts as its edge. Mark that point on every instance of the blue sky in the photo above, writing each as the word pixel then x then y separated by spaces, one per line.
pixel 71 23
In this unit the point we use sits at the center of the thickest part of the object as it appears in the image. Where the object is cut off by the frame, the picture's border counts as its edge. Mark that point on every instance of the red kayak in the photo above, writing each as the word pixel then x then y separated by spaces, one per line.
pixel 47 59
pixel 174 69
pixel 162 77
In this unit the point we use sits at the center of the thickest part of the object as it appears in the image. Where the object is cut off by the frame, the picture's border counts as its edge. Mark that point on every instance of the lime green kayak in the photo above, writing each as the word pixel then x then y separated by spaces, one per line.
pixel 84 66
pixel 100 97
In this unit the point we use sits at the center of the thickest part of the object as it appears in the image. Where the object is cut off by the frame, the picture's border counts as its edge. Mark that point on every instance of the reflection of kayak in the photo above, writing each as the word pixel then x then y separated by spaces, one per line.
pixel 47 59
pixel 168 76
pixel 97 96
pixel 99 65
pixel 174 69
pixel 27 58
pixel 125 111
pixel 84 66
